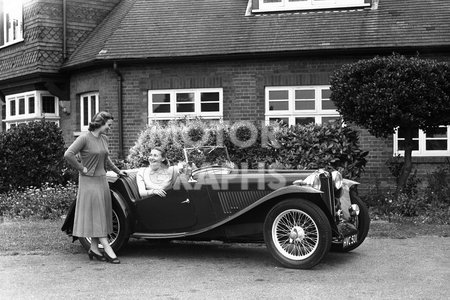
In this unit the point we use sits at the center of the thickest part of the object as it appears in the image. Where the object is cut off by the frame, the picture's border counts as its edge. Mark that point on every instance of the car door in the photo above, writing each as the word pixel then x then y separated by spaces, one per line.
pixel 173 213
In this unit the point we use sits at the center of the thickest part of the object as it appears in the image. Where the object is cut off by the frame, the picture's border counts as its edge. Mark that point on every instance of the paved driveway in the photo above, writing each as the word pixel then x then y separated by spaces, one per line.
pixel 414 268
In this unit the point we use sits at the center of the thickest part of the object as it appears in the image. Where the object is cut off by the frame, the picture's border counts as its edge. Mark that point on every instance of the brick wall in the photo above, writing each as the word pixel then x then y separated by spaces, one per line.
pixel 243 85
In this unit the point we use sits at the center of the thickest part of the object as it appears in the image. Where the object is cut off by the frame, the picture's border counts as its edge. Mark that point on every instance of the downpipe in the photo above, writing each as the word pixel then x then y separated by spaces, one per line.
pixel 119 113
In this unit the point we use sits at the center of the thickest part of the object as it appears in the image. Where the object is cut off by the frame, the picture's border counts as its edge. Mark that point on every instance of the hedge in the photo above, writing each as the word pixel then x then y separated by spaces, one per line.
pixel 30 155
pixel 251 145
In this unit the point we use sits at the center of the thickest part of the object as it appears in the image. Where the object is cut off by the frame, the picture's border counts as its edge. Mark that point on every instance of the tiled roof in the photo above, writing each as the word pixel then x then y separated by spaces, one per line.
pixel 157 29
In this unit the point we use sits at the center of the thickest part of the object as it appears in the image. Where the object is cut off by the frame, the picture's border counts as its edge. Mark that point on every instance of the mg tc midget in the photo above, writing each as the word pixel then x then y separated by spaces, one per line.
pixel 299 214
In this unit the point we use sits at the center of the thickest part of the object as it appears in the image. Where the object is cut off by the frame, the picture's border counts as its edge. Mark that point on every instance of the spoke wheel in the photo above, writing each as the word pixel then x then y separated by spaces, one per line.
pixel 297 233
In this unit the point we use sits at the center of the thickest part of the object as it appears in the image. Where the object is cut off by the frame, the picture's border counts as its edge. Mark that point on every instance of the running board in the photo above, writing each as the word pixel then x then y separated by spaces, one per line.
pixel 140 235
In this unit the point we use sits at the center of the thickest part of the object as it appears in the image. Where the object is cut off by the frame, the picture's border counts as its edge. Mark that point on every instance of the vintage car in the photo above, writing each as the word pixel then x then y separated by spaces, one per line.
pixel 299 214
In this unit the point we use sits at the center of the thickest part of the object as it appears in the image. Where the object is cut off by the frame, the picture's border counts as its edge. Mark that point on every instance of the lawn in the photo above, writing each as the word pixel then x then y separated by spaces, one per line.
pixel 26 236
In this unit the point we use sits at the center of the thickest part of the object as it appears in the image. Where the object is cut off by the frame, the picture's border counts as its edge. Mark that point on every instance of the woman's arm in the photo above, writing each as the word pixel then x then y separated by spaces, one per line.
pixel 113 167
pixel 73 150
pixel 143 192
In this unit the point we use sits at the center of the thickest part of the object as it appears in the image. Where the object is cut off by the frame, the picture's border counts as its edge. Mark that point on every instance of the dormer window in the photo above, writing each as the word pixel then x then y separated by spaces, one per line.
pixel 289 5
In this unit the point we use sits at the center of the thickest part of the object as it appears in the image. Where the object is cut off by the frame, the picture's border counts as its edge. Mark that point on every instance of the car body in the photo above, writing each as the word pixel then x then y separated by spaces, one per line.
pixel 299 214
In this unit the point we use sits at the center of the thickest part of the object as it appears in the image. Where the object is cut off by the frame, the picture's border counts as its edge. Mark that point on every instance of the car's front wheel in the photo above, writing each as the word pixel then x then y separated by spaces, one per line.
pixel 120 235
pixel 297 233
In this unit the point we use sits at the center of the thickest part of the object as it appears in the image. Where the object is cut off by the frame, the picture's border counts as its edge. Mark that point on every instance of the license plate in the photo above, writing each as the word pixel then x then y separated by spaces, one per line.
pixel 350 240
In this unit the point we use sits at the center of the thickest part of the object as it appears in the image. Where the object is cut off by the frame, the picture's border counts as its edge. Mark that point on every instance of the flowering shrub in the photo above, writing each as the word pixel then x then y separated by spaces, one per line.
pixel 47 202
pixel 430 204
pixel 169 136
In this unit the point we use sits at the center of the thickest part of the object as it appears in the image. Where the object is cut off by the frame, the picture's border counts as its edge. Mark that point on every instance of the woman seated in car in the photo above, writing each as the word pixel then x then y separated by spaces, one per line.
pixel 158 177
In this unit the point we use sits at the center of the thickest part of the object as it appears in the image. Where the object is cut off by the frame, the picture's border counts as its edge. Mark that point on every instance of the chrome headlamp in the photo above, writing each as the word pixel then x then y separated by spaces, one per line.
pixel 313 180
pixel 337 179
pixel 354 210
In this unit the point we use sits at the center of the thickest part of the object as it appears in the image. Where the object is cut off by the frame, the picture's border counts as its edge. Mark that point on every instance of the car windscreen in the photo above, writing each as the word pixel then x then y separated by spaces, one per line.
pixel 207 156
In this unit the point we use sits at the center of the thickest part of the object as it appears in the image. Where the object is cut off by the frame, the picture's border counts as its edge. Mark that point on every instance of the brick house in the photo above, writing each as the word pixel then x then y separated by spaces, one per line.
pixel 234 60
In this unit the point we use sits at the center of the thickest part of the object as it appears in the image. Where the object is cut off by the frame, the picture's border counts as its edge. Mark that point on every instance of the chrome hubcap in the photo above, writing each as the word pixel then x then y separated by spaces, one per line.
pixel 297 235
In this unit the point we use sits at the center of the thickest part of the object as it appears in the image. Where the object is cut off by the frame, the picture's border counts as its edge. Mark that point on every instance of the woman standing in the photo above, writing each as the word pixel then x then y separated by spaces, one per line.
pixel 158 176
pixel 93 211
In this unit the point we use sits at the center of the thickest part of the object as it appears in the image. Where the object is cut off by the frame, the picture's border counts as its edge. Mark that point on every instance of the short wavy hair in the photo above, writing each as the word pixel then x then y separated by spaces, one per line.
pixel 99 119
pixel 163 155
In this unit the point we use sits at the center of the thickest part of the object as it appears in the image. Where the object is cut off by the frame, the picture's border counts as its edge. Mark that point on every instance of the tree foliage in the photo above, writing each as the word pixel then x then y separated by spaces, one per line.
pixel 386 93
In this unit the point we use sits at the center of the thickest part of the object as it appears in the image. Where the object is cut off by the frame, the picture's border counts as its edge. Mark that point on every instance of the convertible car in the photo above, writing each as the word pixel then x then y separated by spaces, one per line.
pixel 299 214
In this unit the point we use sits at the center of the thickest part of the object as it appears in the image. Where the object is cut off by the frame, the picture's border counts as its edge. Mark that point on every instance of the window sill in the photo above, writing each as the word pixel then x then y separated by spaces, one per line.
pixel 308 8
pixel 430 159
pixel 22 118
pixel 12 43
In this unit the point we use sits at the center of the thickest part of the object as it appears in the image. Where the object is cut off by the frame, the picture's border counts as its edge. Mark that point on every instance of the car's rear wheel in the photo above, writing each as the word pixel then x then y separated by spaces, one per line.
pixel 362 223
pixel 120 235
pixel 297 233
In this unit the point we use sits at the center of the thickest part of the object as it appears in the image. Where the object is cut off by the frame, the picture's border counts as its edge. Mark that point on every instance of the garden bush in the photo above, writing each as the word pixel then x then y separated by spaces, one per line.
pixel 30 155
pixel 320 146
pixel 47 202
pixel 254 146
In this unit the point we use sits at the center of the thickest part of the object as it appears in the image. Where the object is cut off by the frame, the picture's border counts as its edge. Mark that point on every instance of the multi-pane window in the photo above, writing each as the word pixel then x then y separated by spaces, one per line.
pixel 299 105
pixel 49 105
pixel 179 103
pixel 432 143
pixel 11 22
pixel 89 106
pixel 281 5
pixel 30 106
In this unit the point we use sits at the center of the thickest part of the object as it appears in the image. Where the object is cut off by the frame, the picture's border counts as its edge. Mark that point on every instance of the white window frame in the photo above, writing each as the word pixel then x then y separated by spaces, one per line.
pixel 27 116
pixel 291 114
pixel 11 124
pixel 422 146
pixel 286 5
pixel 216 115
pixel 12 11
pixel 90 112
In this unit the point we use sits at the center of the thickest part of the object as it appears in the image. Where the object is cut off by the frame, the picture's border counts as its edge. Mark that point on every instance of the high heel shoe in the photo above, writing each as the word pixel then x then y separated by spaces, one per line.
pixel 110 259
pixel 92 254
